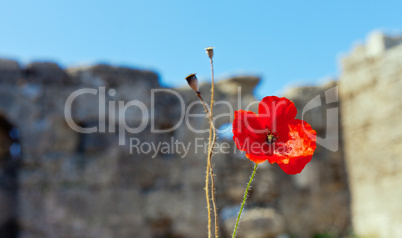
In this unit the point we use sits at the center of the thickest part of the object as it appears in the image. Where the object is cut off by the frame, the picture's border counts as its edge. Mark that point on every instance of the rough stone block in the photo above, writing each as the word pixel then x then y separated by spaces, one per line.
pixel 45 72
pixel 9 70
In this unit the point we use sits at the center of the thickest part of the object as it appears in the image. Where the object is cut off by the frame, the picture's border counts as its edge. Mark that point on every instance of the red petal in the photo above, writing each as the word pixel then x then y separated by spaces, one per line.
pixel 248 133
pixel 300 148
pixel 277 107
pixel 257 158
pixel 297 166
pixel 276 113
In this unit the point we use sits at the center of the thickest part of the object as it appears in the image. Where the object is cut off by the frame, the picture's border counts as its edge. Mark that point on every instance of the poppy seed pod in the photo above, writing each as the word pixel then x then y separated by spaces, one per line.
pixel 193 82
pixel 210 52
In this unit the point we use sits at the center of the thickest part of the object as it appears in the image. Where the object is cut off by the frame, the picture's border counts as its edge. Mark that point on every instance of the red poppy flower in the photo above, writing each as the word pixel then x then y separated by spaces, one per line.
pixel 275 135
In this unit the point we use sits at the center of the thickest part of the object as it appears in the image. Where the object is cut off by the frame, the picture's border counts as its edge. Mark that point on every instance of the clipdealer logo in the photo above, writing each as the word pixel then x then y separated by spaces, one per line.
pixel 107 111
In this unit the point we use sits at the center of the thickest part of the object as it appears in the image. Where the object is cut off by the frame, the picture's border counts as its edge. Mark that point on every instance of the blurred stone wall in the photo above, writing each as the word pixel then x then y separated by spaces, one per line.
pixel 85 185
pixel 371 103
pixel 56 182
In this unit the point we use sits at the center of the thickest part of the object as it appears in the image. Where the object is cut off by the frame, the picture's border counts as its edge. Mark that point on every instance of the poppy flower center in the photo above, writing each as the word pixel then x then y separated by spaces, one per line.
pixel 271 137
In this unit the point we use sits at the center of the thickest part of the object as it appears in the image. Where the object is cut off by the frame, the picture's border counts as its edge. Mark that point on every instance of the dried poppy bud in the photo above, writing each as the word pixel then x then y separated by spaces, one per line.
pixel 193 82
pixel 210 52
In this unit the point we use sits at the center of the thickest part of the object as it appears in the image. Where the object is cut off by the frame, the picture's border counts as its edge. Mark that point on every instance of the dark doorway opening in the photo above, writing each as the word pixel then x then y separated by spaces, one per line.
pixel 10 157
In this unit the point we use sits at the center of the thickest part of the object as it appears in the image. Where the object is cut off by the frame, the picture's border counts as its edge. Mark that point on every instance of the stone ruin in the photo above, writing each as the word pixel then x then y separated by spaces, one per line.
pixel 371 104
pixel 56 182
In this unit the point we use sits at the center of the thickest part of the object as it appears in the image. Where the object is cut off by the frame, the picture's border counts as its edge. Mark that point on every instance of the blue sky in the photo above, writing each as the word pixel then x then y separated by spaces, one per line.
pixel 284 42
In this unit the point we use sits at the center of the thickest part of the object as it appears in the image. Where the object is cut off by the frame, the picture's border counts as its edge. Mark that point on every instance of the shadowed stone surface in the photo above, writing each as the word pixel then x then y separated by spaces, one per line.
pixel 85 185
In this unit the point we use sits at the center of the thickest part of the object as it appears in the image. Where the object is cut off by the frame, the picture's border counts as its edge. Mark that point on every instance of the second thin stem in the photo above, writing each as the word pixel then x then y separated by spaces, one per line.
pixel 211 173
